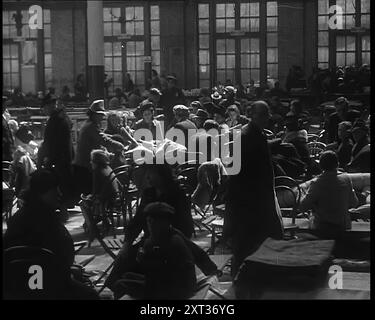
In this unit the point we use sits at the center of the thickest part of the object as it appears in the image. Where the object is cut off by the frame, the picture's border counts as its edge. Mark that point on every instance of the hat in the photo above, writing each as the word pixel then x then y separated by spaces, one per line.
pixel 155 91
pixel 170 77
pixel 201 114
pixel 100 156
pixel 159 210
pixel 197 103
pixel 180 109
pixel 97 107
pixel 42 180
pixel 216 96
pixel 341 100
pixel 230 89
pixel 360 125
pixel 146 105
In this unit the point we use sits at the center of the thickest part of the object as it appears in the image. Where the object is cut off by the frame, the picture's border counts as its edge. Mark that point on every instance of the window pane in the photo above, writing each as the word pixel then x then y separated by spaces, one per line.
pixel 16 81
pixel 139 78
pixel 155 15
pixel 340 43
pixel 106 14
pixel 323 54
pixel 272 55
pixel 130 48
pixel 245 61
pixel 155 27
pixel 117 79
pixel 204 41
pixel 254 75
pixel 350 7
pixel 323 23
pixel 245 45
pixel 365 21
pixel 350 59
pixel 14 50
pixel 155 42
pixel 203 10
pixel 6 66
pixel 204 72
pixel 47 45
pixel 204 57
pixel 350 43
pixel 230 25
pixel 366 58
pixel 272 71
pixel 245 24
pixel 139 28
pixel 220 25
pixel 220 10
pixel 107 48
pixel 254 25
pixel 108 64
pixel 6 51
pixel 254 9
pixel 254 61
pixel 138 13
pixel 323 38
pixel 116 13
pixel 5 32
pixel 47 31
pixel 6 79
pixel 107 29
pixel 350 22
pixel 129 13
pixel 340 59
pixel 271 8
pixel 129 28
pixel 245 10
pixel 47 60
pixel 116 28
pixel 229 13
pixel 140 48
pixel 231 61
pixel 117 49
pixel 323 65
pixel 204 25
pixel 220 46
pixel 271 39
pixel 220 61
pixel 254 45
pixel 155 57
pixel 139 63
pixel 46 16
pixel 271 24
pixel 365 6
pixel 366 43
pixel 14 65
pixel 204 83
pixel 245 75
pixel 230 46
pixel 117 64
pixel 323 6
pixel 130 63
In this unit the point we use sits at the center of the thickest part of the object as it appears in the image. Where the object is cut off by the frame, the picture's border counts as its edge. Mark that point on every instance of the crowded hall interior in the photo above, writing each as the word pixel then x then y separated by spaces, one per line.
pixel 186 150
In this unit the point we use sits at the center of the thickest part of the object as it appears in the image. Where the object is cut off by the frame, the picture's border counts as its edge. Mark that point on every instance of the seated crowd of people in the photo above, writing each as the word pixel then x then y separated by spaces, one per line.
pixel 158 256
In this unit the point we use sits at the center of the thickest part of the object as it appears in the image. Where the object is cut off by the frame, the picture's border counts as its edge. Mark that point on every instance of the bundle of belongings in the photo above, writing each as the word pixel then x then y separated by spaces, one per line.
pixel 278 265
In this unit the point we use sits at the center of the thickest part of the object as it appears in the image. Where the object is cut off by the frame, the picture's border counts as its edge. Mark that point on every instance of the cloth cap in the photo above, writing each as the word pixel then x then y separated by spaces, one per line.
pixel 97 107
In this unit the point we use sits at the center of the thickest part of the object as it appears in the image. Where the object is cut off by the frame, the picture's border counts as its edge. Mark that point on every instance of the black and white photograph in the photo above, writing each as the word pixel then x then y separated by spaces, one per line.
pixel 170 153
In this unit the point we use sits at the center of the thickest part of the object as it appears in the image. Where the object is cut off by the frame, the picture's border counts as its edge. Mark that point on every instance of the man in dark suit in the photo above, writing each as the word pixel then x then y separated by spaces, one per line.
pixel 252 210
pixel 343 113
pixel 182 122
pixel 170 97
pixel 8 141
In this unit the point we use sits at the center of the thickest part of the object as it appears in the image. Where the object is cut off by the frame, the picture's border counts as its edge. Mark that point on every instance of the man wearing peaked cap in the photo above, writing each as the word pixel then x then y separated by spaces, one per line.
pixel 97 107
pixel 200 117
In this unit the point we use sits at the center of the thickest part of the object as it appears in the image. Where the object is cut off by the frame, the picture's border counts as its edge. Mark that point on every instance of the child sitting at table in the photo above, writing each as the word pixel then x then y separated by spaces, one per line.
pixel 330 197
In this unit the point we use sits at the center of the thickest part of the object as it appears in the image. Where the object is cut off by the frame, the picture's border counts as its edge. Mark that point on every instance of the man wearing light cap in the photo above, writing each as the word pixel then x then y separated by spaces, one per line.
pixel 182 121
pixel 91 137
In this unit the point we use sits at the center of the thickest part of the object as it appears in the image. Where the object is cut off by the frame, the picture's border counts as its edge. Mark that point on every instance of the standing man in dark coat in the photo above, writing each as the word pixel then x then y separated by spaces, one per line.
pixel 170 97
pixel 253 213
pixel 57 149
pixel 8 141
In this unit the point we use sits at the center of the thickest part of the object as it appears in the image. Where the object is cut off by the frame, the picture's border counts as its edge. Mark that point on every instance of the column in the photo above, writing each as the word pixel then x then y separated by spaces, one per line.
pixel 95 49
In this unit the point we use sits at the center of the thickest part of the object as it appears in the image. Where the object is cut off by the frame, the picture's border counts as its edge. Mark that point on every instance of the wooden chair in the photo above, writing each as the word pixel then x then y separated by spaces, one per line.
pixel 287 200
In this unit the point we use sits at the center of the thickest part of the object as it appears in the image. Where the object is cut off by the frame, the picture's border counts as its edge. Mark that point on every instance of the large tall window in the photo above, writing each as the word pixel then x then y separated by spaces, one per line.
pixel 11 77
pixel 47 48
pixel 348 44
pixel 244 45
pixel 129 37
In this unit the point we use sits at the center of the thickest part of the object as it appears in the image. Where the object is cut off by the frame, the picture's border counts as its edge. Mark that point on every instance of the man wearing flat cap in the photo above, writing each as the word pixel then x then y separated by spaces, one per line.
pixel 200 117
pixel 171 97
pixel 91 137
